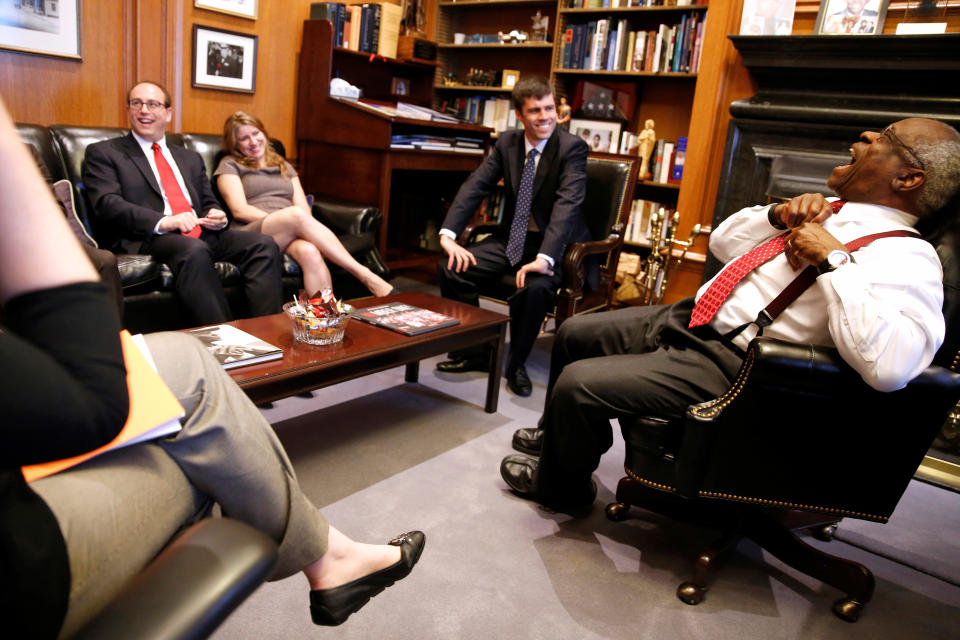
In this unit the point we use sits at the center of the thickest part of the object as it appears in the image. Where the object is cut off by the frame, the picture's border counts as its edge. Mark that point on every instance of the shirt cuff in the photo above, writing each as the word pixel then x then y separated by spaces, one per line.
pixel 448 233
pixel 547 258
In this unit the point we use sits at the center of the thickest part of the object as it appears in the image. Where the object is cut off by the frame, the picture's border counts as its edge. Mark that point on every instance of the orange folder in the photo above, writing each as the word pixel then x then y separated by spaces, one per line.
pixel 154 412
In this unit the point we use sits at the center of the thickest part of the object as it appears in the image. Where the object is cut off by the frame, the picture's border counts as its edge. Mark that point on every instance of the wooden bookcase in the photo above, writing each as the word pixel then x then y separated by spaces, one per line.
pixel 488 17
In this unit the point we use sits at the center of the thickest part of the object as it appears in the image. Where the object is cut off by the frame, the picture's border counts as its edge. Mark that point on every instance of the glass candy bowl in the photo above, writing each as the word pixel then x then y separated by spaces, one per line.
pixel 317 330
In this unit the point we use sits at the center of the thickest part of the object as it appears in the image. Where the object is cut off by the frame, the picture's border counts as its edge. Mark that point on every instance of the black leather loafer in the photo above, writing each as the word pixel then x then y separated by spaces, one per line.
pixel 462 365
pixel 519 472
pixel 331 607
pixel 528 440
pixel 519 382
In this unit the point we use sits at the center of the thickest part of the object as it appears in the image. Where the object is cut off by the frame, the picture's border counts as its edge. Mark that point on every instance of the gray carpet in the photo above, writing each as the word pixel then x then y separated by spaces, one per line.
pixel 384 457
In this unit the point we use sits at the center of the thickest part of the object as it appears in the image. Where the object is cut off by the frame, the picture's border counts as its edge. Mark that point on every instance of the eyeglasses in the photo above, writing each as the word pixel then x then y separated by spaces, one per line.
pixel 892 137
pixel 152 105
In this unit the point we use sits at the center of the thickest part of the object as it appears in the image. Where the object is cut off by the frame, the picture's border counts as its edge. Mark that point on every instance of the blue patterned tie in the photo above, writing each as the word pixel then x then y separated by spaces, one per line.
pixel 521 215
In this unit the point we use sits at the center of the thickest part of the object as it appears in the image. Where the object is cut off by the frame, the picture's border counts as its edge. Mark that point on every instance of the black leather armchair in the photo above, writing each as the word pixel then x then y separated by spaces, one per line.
pixel 797 443
pixel 589 268
pixel 191 587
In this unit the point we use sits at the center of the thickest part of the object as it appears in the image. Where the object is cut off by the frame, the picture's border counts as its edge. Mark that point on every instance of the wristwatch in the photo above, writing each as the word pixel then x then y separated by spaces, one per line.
pixel 834 260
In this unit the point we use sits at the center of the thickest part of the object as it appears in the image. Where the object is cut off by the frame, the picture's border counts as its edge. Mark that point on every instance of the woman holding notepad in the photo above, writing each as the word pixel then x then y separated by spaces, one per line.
pixel 70 541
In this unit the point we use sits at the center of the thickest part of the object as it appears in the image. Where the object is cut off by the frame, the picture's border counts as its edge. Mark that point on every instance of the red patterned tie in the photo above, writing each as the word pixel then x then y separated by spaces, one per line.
pixel 171 188
pixel 719 290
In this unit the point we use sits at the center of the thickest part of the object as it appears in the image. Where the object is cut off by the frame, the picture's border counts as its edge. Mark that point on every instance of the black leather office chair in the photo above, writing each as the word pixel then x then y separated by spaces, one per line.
pixel 191 587
pixel 797 443
pixel 589 268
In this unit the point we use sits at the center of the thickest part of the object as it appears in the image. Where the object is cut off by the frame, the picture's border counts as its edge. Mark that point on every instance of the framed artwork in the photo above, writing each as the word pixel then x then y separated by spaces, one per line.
pixel 400 86
pixel 45 28
pixel 242 8
pixel 509 78
pixel 600 135
pixel 767 18
pixel 851 17
pixel 225 60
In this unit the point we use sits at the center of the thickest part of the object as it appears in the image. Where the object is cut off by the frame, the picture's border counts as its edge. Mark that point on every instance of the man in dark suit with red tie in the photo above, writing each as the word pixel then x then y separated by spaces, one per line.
pixel 875 294
pixel 156 199
pixel 544 173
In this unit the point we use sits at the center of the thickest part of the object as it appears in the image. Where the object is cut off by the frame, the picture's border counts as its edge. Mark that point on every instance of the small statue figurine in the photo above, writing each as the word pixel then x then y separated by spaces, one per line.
pixel 540 25
pixel 647 140
pixel 563 114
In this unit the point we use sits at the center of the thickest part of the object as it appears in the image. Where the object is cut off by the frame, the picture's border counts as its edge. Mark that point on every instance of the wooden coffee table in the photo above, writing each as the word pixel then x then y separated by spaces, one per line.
pixel 367 349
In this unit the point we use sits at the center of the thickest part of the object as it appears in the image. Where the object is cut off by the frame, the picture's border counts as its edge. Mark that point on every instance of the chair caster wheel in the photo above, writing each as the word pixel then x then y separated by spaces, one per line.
pixel 847 609
pixel 617 511
pixel 691 593
pixel 825 532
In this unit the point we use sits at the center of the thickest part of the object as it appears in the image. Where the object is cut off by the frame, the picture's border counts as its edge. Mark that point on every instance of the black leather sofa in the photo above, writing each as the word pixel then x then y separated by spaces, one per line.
pixel 149 303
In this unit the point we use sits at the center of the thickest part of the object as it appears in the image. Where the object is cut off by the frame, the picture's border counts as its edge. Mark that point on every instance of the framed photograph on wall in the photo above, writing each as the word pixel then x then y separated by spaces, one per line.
pixel 242 8
pixel 600 135
pixel 851 17
pixel 45 28
pixel 224 60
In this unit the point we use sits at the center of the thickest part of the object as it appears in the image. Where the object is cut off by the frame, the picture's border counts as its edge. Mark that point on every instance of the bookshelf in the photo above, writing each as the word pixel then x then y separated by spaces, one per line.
pixel 487 17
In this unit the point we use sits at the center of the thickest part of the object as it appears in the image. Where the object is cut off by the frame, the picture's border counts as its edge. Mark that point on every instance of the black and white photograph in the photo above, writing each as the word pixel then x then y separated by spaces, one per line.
pixel 851 17
pixel 47 27
pixel 224 59
pixel 767 18
pixel 600 135
pixel 242 8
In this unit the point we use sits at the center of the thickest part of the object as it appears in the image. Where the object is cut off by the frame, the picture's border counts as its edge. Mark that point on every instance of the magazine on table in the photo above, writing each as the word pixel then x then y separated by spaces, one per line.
pixel 235 348
pixel 405 318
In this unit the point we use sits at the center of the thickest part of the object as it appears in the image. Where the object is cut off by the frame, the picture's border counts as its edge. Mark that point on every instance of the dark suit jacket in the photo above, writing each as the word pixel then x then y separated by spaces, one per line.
pixel 558 190
pixel 125 196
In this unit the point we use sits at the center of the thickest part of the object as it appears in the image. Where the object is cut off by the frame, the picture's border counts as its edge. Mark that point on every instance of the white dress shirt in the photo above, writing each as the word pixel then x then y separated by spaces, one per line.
pixel 883 311
pixel 147 147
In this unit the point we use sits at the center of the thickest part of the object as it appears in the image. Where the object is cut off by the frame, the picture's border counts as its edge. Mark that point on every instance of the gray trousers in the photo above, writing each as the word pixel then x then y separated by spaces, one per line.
pixel 117 511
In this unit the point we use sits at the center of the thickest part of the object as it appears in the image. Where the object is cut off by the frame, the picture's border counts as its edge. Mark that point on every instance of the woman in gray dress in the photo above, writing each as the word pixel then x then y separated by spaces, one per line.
pixel 264 194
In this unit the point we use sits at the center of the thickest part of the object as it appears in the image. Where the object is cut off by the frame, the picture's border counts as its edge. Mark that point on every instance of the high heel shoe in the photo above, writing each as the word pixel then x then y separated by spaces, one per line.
pixel 331 607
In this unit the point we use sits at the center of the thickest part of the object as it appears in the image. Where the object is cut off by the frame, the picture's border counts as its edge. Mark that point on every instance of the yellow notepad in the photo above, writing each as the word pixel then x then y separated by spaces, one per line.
pixel 154 412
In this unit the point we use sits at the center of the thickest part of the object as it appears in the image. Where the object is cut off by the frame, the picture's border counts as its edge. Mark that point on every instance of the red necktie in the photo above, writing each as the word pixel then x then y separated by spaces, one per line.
pixel 171 189
pixel 720 289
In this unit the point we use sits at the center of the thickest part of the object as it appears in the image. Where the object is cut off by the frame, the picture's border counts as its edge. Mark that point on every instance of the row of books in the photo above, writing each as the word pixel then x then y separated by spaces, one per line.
pixel 642 212
pixel 605 4
pixel 429 142
pixel 371 28
pixel 491 210
pixel 610 44
pixel 496 113
pixel 667 160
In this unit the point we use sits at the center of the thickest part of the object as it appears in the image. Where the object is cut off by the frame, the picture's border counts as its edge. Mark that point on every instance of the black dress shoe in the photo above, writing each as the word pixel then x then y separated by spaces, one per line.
pixel 331 607
pixel 528 440
pixel 519 382
pixel 462 365
pixel 520 471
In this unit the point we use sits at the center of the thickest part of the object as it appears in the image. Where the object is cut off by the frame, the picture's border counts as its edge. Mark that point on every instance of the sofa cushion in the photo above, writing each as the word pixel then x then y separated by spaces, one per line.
pixel 63 190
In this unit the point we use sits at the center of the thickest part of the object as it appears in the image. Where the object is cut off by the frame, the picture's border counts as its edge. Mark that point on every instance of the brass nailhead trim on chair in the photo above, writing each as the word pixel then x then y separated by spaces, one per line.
pixel 793 505
pixel 649 483
pixel 712 408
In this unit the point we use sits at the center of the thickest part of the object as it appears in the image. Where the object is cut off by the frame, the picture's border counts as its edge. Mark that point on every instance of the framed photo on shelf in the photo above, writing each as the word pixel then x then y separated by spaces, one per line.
pixel 510 77
pixel 851 17
pixel 600 135
pixel 49 29
pixel 225 60
pixel 400 86
pixel 767 18
pixel 242 8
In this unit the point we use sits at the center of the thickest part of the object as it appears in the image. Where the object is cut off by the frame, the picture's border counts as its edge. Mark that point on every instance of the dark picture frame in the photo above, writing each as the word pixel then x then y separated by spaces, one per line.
pixel 224 60
pixel 56 29
pixel 851 17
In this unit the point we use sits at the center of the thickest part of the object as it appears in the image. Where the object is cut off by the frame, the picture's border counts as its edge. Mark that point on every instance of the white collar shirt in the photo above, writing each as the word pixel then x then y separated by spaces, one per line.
pixel 147 147
pixel 882 312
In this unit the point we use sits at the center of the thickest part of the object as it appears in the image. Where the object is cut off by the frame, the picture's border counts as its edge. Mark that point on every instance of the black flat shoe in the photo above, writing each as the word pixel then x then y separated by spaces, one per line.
pixel 519 382
pixel 331 607
pixel 462 365
pixel 528 440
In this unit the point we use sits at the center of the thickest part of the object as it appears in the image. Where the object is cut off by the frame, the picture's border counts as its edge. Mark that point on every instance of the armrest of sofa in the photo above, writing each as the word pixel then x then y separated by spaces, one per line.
pixel 347 218
pixel 192 586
